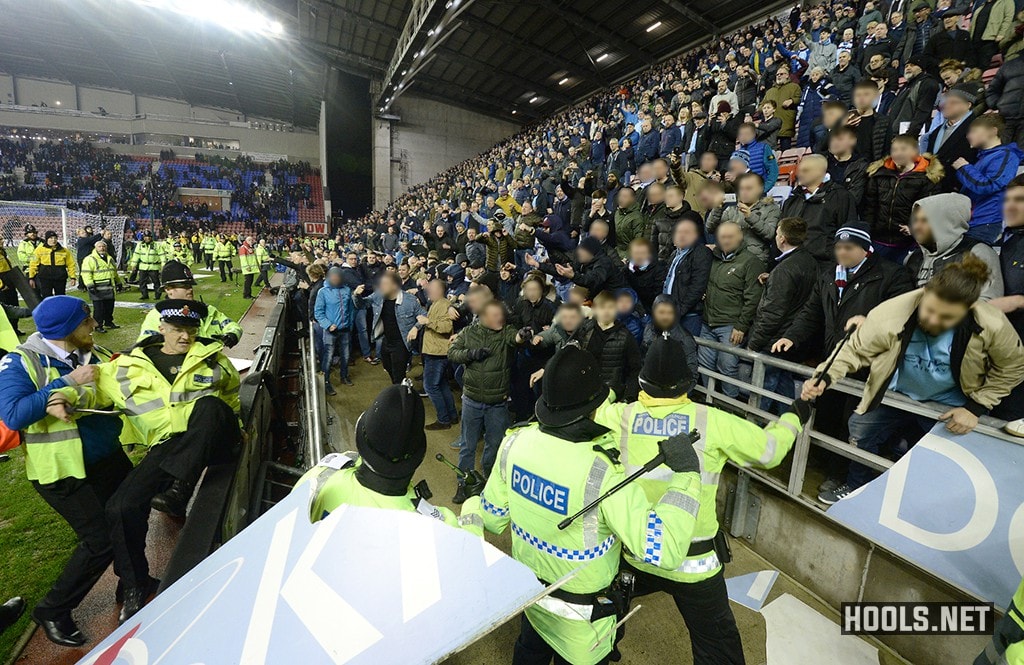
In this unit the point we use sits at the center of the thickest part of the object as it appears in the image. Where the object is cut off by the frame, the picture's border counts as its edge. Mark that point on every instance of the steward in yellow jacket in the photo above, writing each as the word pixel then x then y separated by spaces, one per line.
pixel 223 253
pixel 180 393
pixel 51 267
pixel 101 280
pixel 698 584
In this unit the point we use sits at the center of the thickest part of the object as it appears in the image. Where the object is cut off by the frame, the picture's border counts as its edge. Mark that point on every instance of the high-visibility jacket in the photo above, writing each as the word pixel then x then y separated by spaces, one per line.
pixel 52 262
pixel 223 251
pixel 540 479
pixel 639 427
pixel 8 338
pixel 262 255
pixel 182 255
pixel 247 260
pixel 5 261
pixel 209 243
pixel 26 248
pixel 53 448
pixel 99 271
pixel 156 408
pixel 147 256
pixel 214 325
pixel 1007 644
pixel 332 483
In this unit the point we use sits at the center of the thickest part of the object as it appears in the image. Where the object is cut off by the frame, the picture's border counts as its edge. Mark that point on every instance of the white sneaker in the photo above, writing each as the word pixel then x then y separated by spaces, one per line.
pixel 1015 427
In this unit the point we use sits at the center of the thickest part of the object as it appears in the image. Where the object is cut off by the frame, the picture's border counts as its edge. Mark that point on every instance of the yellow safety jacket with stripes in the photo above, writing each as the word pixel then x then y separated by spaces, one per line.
pixel 639 427
pixel 539 480
pixel 208 244
pixel 99 271
pixel 26 248
pixel 156 408
pixel 247 260
pixel 147 256
pixel 224 251
pixel 53 448
pixel 8 338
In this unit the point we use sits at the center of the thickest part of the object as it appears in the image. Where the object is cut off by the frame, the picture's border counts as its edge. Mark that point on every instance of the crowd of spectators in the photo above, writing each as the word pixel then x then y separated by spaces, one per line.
pixel 670 205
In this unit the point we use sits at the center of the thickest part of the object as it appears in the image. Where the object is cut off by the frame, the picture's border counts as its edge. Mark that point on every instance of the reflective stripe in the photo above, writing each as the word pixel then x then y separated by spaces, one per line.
pixel 627 415
pixel 133 409
pixel 591 520
pixel 682 501
pixel 703 565
pixel 707 477
pixel 503 461
pixel 191 395
pixel 564 553
pixel 497 511
pixel 769 449
pixel 788 425
pixel 701 421
pixel 471 520
pixel 701 425
pixel 652 552
pixel 32 359
pixel 51 437
pixel 565 609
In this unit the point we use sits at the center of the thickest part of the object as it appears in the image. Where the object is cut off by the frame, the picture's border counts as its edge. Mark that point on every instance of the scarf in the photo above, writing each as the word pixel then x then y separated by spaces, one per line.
pixel 843 275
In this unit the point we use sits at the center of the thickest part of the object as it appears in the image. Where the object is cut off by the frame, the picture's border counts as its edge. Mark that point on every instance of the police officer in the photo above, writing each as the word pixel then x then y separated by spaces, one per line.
pixel 9 277
pixel 27 247
pixel 75 465
pixel 698 585
pixel 145 264
pixel 551 469
pixel 178 285
pixel 1007 645
pixel 249 265
pixel 180 393
pixel 391 444
pixel 101 280
pixel 223 252
pixel 208 245
pixel 264 261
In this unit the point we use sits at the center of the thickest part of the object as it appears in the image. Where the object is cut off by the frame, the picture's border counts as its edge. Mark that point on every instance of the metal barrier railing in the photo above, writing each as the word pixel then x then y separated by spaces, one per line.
pixel 314 402
pixel 810 436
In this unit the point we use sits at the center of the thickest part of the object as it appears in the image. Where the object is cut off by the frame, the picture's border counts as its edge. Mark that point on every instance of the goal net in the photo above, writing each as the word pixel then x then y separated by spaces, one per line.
pixel 15 215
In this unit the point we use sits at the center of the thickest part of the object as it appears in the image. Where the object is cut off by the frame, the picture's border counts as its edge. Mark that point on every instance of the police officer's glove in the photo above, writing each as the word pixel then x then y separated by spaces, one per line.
pixel 475 355
pixel 802 409
pixel 475 483
pixel 526 333
pixel 679 453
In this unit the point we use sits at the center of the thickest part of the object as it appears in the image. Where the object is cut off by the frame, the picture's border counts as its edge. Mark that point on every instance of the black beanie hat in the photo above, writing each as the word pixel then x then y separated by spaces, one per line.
pixel 665 372
pixel 591 244
pixel 390 436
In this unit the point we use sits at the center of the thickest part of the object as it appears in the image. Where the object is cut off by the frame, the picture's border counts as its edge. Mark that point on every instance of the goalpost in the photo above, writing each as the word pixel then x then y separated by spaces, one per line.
pixel 15 215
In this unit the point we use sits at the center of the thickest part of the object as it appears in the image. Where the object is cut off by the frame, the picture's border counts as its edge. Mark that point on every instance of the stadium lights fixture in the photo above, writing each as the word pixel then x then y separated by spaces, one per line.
pixel 654 26
pixel 601 57
pixel 533 100
pixel 564 81
pixel 229 14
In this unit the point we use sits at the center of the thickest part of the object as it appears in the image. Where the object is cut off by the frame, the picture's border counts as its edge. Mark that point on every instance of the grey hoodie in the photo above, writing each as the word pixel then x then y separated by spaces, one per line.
pixel 949 217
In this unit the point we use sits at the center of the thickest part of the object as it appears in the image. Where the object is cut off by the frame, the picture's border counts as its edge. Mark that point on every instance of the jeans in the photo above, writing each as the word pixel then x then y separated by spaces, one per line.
pixel 337 342
pixel 723 363
pixel 986 233
pixel 778 381
pixel 870 431
pixel 489 420
pixel 435 382
pixel 362 333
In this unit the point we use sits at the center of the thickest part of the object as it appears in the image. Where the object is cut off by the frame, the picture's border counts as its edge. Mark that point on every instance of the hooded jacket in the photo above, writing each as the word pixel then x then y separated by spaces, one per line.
pixel 457 285
pixel 333 306
pixel 948 216
pixel 758 227
pixel 890 195
pixel 556 237
pixel 986 179
pixel 635 319
pixel 733 289
pixel 1006 90
pixel 788 288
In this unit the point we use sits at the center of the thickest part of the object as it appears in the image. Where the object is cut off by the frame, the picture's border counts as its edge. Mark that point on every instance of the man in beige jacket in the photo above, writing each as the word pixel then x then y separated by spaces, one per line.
pixel 936 344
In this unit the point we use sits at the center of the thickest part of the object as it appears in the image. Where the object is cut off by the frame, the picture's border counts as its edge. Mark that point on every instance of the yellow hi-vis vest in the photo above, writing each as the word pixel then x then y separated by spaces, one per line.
pixel 8 338
pixel 99 271
pixel 147 256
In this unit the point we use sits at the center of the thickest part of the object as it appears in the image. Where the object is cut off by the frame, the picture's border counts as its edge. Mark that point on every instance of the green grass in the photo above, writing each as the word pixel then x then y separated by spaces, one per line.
pixel 34 540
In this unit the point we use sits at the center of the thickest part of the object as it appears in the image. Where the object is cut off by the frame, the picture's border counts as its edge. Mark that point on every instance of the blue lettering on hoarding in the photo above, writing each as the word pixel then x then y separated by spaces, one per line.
pixel 670 425
pixel 540 491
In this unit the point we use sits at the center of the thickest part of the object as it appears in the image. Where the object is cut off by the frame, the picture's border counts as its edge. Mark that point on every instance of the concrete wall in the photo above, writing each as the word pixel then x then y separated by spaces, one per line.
pixel 430 138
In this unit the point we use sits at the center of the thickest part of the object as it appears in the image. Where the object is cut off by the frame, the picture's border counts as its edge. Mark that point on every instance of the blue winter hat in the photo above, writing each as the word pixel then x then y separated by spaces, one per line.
pixel 742 156
pixel 57 317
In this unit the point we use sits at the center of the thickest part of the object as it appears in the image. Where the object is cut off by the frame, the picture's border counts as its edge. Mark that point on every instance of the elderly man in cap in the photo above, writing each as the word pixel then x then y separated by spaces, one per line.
pixel 179 284
pixel 101 280
pixel 391 445
pixel 145 264
pixel 551 469
pixel 180 393
pixel 76 464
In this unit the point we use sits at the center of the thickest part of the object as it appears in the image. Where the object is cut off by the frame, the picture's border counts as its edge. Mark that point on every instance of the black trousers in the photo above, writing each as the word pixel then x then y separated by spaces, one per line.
pixel 147 277
pixel 714 637
pixel 51 286
pixel 247 286
pixel 263 278
pixel 395 358
pixel 103 311
pixel 209 260
pixel 531 649
pixel 225 269
pixel 82 505
pixel 210 438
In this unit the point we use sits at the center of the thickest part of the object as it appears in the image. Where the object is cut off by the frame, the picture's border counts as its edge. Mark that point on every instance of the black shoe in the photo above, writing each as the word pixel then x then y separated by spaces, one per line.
pixel 460 494
pixel 175 500
pixel 435 426
pixel 329 389
pixel 10 612
pixel 61 631
pixel 347 381
pixel 144 298
pixel 100 329
pixel 135 598
pixel 113 326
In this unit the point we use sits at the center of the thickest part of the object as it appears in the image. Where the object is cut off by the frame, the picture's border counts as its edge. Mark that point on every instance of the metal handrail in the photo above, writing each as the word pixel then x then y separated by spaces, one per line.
pixel 316 402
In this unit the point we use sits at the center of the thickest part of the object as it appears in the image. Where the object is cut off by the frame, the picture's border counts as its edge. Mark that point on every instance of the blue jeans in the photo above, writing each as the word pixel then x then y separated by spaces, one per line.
pixel 337 343
pixel 361 332
pixel 986 233
pixel 489 420
pixel 435 382
pixel 871 430
pixel 778 381
pixel 723 363
pixel 691 323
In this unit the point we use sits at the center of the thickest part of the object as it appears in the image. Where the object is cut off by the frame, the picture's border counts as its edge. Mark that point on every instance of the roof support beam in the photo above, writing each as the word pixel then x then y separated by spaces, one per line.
pixel 602 32
pixel 320 8
pixel 524 83
pixel 687 12
pixel 422 12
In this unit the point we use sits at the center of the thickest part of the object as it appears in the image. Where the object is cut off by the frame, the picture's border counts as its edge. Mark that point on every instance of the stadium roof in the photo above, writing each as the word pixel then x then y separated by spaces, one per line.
pixel 492 56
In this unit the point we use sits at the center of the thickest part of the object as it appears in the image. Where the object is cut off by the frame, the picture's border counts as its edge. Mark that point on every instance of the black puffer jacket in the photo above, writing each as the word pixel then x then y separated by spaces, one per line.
pixel 648 282
pixel 601 274
pixel 662 226
pixel 824 316
pixel 789 285
pixel 890 195
pixel 619 355
pixel 825 212
pixel 535 315
pixel 1006 91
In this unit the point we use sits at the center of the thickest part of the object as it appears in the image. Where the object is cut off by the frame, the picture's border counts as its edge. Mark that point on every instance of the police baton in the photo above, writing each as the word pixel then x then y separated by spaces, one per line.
pixel 653 464
pixel 462 475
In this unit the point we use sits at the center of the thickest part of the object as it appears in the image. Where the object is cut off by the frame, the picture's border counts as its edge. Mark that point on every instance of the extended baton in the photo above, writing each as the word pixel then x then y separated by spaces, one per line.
pixel 832 358
pixel 653 464
pixel 458 472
